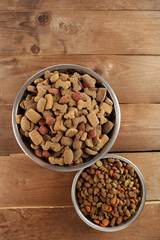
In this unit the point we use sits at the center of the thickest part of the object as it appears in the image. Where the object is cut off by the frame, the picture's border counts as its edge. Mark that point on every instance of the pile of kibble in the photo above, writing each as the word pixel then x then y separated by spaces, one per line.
pixel 109 192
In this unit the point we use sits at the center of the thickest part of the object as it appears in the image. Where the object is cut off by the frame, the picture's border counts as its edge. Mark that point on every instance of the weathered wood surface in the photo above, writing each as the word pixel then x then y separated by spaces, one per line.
pixel 25 184
pixel 135 79
pixel 140 129
pixel 64 224
pixel 79 32
pixel 28 5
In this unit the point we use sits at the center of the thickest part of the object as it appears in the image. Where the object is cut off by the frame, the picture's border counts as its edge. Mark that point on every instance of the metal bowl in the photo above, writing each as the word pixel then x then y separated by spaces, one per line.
pixel 116 228
pixel 24 144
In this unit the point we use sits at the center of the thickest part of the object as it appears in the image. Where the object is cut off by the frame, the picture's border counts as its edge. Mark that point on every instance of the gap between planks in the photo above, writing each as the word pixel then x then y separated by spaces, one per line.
pixel 76 10
pixel 70 206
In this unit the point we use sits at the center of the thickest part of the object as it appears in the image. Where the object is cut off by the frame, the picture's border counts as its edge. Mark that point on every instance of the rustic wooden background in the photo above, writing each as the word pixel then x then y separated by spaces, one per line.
pixel 119 40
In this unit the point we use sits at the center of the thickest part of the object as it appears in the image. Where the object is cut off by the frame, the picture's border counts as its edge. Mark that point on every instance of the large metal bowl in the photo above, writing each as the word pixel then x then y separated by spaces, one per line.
pixel 116 228
pixel 24 144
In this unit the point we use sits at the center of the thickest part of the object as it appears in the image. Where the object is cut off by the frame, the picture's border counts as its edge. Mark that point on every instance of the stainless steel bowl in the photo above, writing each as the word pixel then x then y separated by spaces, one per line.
pixel 25 146
pixel 116 228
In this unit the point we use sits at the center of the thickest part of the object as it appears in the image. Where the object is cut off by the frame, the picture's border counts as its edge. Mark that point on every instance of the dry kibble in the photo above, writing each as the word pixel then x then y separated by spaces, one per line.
pixel 41 105
pixel 67 113
pixel 35 137
pixel 110 202
pixel 33 116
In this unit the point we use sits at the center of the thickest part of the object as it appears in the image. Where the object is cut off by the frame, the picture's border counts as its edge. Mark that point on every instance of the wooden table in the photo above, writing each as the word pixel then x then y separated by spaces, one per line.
pixel 120 40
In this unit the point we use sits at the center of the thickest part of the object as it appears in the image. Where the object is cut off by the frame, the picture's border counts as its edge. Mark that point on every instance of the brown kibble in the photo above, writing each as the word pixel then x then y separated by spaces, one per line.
pixel 101 94
pixel 92 118
pixel 107 127
pixel 71 132
pixel 35 137
pixel 66 141
pixel 68 156
pixel 33 116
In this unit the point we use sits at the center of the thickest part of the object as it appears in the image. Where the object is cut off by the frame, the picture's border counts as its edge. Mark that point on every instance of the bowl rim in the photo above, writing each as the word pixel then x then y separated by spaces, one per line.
pixel 120 227
pixel 98 156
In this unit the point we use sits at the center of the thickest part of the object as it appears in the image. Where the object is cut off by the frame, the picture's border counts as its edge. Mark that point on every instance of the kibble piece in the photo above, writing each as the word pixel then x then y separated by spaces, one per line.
pixel 41 105
pixel 92 118
pixel 68 156
pixel 71 132
pixel 25 123
pixel 66 141
pixel 33 115
pixel 35 137
pixel 107 127
pixel 107 108
pixel 88 80
pixel 101 94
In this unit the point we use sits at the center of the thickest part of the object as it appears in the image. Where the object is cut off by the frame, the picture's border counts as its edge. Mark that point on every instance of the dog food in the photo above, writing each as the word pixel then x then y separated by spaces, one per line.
pixel 109 192
pixel 66 117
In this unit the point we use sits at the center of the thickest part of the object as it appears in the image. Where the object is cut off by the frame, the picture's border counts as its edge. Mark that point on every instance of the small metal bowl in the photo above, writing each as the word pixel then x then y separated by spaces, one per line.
pixel 116 228
pixel 24 144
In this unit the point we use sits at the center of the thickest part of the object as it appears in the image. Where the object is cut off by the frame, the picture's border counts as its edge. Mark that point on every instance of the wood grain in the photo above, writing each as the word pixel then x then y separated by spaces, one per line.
pixel 140 129
pixel 135 79
pixel 79 32
pixel 28 5
pixel 65 224
pixel 38 186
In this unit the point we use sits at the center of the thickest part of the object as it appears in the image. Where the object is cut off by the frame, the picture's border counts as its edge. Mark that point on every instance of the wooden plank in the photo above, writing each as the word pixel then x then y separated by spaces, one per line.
pixel 79 32
pixel 38 186
pixel 140 129
pixel 65 224
pixel 135 79
pixel 28 5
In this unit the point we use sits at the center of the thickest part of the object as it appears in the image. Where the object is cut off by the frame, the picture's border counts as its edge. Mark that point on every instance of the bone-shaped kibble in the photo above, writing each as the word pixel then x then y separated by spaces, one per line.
pixel 100 115
pixel 65 85
pixel 74 81
pixel 54 77
pixel 32 88
pixel 57 137
pixel 107 108
pixel 71 113
pixel 78 120
pixel 84 104
pixel 59 124
pixel 90 92
pixel 48 74
pixel 59 161
pixel 38 80
pixel 104 140
pixel 61 108
pixel 41 93
pixel 64 76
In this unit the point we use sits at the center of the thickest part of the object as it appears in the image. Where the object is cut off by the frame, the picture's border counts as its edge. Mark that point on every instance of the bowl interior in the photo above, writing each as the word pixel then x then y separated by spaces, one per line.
pixel 127 223
pixel 115 116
